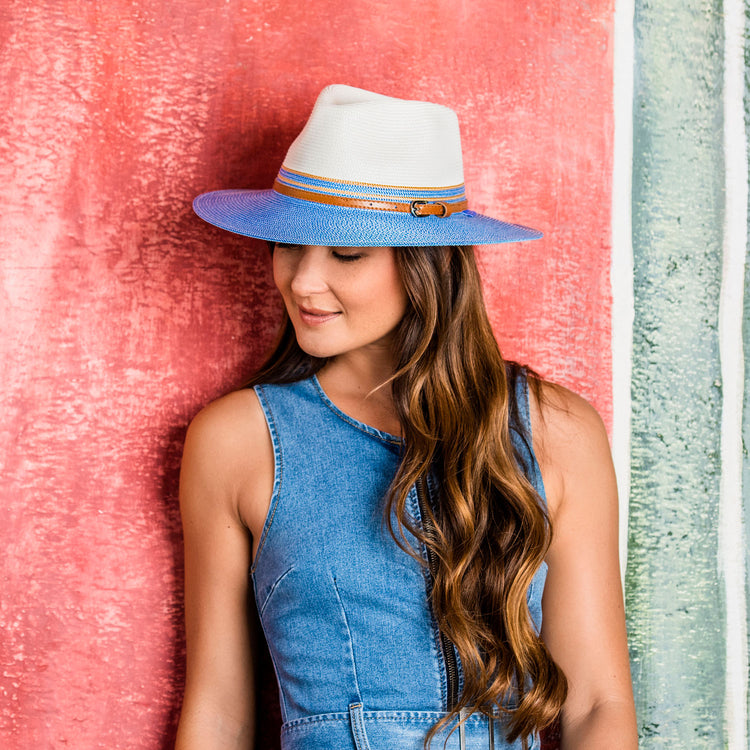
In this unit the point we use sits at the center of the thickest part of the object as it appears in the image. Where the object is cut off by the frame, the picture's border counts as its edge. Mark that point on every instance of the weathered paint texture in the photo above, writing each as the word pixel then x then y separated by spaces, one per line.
pixel 122 313
pixel 732 534
pixel 746 440
pixel 674 598
pixel 746 348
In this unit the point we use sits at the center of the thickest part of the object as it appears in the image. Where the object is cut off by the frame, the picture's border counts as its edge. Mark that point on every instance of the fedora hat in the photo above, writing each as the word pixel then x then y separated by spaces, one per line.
pixel 366 170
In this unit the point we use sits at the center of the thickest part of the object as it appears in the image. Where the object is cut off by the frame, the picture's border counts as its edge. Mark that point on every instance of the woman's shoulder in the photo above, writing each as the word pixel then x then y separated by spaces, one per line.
pixel 560 413
pixel 569 437
pixel 228 448
pixel 226 423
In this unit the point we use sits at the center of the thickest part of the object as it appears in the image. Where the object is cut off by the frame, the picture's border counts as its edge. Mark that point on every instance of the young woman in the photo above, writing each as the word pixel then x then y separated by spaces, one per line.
pixel 407 503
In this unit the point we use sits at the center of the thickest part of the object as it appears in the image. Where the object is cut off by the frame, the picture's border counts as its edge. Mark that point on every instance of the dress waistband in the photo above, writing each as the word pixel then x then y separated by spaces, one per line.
pixel 358 729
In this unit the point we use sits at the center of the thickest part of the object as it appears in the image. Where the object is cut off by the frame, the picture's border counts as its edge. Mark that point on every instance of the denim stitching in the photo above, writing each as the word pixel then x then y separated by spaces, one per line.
pixel 524 415
pixel 262 608
pixel 380 716
pixel 278 474
pixel 348 634
pixel 358 726
pixel 437 647
pixel 361 426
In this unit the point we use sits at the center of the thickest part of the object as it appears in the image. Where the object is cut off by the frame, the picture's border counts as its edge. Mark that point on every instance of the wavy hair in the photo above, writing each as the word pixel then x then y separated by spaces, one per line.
pixel 488 529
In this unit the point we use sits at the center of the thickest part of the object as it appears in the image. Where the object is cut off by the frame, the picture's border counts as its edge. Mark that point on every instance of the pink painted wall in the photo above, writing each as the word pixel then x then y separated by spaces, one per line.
pixel 122 313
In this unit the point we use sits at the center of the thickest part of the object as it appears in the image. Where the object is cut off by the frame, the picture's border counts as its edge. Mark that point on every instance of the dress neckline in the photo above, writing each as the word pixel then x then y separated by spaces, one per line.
pixel 369 429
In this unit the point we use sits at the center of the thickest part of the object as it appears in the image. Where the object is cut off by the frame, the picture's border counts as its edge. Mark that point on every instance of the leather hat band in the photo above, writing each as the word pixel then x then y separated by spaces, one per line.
pixel 425 205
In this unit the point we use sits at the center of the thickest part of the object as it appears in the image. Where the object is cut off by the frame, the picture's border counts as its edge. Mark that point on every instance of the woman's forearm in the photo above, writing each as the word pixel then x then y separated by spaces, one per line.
pixel 609 725
pixel 202 732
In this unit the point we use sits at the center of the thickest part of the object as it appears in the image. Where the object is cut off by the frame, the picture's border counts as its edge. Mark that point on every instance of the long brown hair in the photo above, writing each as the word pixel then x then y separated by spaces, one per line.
pixel 489 529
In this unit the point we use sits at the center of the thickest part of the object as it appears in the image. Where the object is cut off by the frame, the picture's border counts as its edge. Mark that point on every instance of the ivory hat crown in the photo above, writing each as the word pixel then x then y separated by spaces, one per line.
pixel 356 136
pixel 366 170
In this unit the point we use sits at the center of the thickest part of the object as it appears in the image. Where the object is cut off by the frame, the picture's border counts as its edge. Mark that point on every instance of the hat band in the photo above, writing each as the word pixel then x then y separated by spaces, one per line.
pixel 440 202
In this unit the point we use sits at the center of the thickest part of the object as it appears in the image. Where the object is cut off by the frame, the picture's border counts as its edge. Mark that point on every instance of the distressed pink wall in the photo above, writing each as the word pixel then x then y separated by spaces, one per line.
pixel 122 313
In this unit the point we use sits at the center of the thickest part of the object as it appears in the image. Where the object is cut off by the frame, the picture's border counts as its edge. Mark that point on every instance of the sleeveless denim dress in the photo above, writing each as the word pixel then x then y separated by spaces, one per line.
pixel 358 656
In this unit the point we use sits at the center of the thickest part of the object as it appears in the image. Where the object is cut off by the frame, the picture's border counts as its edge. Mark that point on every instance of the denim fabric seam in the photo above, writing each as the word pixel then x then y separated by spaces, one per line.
pixel 533 591
pixel 262 608
pixel 383 716
pixel 348 635
pixel 278 474
pixel 524 404
pixel 357 723
pixel 427 576
pixel 385 437
pixel 314 719
pixel 433 489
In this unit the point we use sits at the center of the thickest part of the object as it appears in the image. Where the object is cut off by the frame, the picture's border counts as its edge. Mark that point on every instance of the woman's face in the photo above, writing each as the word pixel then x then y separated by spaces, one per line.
pixel 340 299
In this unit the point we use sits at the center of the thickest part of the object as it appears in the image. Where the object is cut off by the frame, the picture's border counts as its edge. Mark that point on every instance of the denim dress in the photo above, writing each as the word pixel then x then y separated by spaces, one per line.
pixel 359 658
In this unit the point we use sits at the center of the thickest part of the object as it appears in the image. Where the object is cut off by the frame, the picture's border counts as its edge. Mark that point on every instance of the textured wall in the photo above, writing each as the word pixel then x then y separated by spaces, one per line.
pixel 122 314
pixel 686 575
pixel 674 503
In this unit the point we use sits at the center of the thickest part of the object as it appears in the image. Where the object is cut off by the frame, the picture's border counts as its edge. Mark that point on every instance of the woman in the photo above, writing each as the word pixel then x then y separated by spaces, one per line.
pixel 406 501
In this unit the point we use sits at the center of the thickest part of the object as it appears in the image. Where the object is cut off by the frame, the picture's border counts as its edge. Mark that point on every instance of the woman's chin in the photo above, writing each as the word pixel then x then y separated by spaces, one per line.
pixel 318 350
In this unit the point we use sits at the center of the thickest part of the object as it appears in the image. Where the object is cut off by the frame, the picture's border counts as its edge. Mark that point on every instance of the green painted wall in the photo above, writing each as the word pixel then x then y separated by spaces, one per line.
pixel 674 600
pixel 746 347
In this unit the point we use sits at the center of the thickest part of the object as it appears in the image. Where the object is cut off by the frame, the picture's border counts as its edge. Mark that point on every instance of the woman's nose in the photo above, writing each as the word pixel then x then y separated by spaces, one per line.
pixel 309 273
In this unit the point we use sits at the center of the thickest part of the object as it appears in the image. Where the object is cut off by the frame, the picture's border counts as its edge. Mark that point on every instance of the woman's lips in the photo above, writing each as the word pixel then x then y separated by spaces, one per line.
pixel 313 317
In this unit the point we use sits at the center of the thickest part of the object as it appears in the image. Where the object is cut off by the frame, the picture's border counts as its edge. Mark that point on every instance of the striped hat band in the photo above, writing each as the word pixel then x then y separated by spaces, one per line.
pixel 418 201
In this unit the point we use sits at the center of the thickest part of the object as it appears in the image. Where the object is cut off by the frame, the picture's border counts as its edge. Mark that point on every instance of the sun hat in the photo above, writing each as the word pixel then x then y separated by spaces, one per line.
pixel 366 170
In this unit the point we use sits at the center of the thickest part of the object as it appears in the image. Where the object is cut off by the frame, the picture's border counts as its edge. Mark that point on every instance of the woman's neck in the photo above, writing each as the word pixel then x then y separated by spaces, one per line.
pixel 359 387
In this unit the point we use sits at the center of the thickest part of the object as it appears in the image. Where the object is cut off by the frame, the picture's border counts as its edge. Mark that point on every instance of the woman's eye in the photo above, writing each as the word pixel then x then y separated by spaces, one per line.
pixel 346 257
pixel 286 246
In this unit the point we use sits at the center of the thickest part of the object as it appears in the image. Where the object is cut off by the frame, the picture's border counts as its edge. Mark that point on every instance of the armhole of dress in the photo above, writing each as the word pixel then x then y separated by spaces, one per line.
pixel 523 404
pixel 278 465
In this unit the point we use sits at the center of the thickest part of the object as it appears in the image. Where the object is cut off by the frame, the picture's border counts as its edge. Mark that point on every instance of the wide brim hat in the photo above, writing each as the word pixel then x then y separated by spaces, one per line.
pixel 367 170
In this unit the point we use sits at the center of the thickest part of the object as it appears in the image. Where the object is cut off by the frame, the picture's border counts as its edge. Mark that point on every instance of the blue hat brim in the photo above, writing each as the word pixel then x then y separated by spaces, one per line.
pixel 268 215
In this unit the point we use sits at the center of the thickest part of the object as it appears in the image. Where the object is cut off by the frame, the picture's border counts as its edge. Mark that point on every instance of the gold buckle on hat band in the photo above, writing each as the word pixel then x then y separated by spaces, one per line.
pixel 418 208
pixel 424 208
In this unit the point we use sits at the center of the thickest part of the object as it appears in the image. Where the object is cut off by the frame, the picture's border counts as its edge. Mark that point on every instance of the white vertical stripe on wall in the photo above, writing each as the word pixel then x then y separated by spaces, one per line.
pixel 731 532
pixel 622 259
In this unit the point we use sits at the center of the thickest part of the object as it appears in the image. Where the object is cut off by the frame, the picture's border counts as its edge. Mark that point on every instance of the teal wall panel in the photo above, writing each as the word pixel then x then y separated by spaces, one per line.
pixel 746 426
pixel 674 600
pixel 746 350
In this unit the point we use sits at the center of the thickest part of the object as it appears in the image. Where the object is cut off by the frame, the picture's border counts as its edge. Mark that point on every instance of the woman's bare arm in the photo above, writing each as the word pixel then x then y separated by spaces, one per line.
pixel 227 474
pixel 584 620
